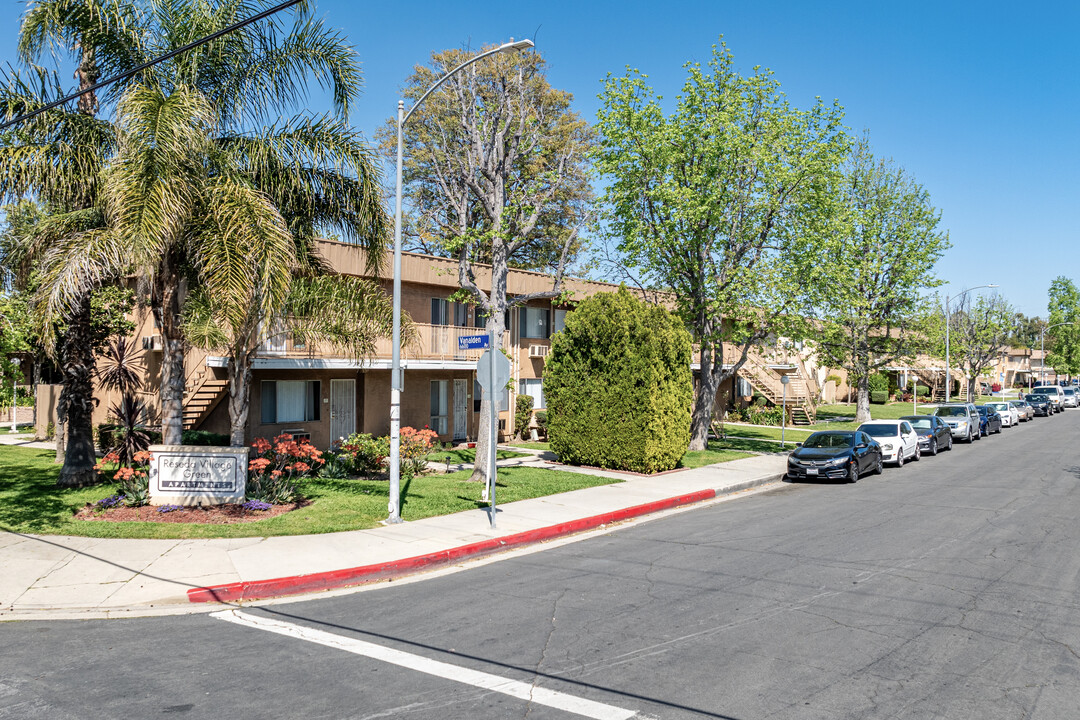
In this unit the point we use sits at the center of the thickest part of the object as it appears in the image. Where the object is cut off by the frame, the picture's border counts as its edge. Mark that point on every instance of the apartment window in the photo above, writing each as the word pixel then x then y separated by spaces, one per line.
pixel 444 312
pixel 290 401
pixel 440 412
pixel 559 321
pixel 275 338
pixel 535 389
pixel 535 322
pixel 480 319
pixel 478 396
pixel 742 387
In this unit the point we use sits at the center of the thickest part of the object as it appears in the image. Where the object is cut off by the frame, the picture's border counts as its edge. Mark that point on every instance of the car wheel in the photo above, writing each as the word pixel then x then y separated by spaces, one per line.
pixel 853 472
pixel 933 446
pixel 999 429
pixel 900 458
pixel 948 445
pixel 970 437
pixel 918 454
pixel 880 467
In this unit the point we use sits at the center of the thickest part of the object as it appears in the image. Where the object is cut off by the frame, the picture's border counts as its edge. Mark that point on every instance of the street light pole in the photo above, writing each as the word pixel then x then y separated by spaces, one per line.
pixel 784 380
pixel 397 377
pixel 1042 349
pixel 948 322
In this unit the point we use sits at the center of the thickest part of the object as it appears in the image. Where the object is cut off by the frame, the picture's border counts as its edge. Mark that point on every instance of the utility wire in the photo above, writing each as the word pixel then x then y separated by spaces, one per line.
pixel 172 53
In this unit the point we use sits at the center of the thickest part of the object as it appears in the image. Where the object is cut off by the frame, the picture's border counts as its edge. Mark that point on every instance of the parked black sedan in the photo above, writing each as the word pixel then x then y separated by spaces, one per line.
pixel 835 455
pixel 991 419
pixel 934 433
pixel 1041 404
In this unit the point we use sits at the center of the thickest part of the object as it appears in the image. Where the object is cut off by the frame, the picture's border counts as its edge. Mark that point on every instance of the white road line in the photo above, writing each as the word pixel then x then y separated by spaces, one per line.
pixel 487 681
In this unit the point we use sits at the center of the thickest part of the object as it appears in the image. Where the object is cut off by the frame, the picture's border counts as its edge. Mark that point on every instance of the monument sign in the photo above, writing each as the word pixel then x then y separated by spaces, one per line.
pixel 197 475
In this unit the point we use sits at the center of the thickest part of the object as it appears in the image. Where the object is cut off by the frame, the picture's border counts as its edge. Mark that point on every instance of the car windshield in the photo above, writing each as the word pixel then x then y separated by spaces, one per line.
pixel 882 430
pixel 951 411
pixel 998 406
pixel 983 410
pixel 922 423
pixel 829 440
pixel 1036 398
pixel 1069 391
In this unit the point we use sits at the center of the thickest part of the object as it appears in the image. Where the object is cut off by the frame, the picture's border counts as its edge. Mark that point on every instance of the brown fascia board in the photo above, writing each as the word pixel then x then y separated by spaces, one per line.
pixel 417 268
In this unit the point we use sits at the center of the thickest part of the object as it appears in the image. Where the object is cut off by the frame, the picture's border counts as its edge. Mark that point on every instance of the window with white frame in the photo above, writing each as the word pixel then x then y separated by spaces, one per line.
pixel 534 387
pixel 440 406
pixel 535 322
pixel 290 401
pixel 743 388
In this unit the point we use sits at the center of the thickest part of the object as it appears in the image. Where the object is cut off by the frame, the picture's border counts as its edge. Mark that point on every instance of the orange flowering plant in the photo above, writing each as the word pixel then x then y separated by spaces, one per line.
pixel 414 449
pixel 133 481
pixel 275 471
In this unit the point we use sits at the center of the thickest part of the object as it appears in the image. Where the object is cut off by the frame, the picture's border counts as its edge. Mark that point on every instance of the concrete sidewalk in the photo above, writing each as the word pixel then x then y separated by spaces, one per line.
pixel 53 577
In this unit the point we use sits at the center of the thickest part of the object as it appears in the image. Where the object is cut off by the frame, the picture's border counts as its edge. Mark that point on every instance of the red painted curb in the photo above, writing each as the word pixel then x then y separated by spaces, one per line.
pixel 301 584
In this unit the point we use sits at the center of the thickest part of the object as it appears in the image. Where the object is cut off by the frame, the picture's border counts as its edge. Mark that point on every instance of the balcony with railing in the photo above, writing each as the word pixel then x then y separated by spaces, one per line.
pixel 426 342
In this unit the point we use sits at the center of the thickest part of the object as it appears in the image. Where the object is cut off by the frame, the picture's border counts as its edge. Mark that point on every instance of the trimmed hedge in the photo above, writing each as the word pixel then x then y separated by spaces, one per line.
pixel 618 386
pixel 922 390
pixel 879 397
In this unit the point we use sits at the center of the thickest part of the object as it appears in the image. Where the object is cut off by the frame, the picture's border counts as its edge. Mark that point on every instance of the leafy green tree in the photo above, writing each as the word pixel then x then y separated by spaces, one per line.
pixel 1063 346
pixel 1026 331
pixel 875 268
pixel 618 385
pixel 725 202
pixel 979 333
pixel 495 175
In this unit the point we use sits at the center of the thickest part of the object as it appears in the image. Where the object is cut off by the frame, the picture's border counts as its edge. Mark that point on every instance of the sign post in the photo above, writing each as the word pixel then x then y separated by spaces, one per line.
pixel 492 372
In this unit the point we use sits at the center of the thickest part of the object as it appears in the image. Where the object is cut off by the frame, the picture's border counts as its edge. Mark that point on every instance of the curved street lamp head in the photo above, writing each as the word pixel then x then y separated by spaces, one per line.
pixel 513 46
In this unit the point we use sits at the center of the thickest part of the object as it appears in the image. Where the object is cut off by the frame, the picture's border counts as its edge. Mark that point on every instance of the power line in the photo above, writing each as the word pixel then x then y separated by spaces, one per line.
pixel 172 53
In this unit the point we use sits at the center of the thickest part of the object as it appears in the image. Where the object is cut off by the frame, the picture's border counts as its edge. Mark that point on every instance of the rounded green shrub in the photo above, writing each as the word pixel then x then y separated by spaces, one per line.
pixel 879 397
pixel 618 386
pixel 921 390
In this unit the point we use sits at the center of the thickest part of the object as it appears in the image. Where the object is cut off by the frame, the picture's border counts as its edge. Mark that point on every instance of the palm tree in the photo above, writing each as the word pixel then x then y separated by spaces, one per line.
pixel 195 200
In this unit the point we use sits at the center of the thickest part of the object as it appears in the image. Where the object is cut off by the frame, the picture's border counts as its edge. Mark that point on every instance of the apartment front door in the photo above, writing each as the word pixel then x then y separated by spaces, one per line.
pixel 461 409
pixel 342 409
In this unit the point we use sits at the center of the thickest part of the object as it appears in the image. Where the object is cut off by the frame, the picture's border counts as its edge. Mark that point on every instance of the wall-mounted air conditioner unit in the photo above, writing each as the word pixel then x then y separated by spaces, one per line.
pixel 151 342
pixel 539 351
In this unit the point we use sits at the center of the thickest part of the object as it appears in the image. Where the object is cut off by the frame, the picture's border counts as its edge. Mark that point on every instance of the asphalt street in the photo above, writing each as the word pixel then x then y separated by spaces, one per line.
pixel 943 589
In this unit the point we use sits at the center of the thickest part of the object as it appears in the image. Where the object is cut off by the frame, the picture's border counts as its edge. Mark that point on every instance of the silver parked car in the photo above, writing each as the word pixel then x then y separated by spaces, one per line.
pixel 1071 398
pixel 963 420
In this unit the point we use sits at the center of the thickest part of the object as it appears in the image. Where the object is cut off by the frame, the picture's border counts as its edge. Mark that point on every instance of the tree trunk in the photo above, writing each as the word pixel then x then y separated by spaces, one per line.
pixel 77 401
pixel 496 321
pixel 862 399
pixel 705 400
pixel 172 358
pixel 239 398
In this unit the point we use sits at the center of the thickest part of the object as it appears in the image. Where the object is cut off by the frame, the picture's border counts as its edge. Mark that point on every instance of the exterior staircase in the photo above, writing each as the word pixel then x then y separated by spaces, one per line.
pixel 800 399
pixel 202 393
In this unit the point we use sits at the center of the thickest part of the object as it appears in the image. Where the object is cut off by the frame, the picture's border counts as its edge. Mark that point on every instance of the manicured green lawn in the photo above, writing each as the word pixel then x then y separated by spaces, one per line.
pixel 791 434
pixel 532 445
pixel 31 503
pixel 716 453
pixel 466 455
pixel 835 417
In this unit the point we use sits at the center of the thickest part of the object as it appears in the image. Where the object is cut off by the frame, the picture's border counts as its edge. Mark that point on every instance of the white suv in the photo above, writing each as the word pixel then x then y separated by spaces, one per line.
pixel 1071 398
pixel 1055 393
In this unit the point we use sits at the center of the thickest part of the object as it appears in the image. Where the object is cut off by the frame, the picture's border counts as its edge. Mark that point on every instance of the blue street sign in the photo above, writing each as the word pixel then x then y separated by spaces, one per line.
pixel 473 342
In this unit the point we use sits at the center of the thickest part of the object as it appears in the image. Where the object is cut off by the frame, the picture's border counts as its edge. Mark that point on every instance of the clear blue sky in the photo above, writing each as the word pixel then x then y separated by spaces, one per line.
pixel 980 101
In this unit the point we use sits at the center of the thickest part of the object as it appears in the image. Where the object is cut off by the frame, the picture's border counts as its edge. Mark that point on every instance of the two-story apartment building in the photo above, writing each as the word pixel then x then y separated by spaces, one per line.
pixel 325 396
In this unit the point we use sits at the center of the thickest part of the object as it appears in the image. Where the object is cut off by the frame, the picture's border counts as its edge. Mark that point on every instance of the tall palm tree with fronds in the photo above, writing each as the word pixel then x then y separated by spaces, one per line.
pixel 197 199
